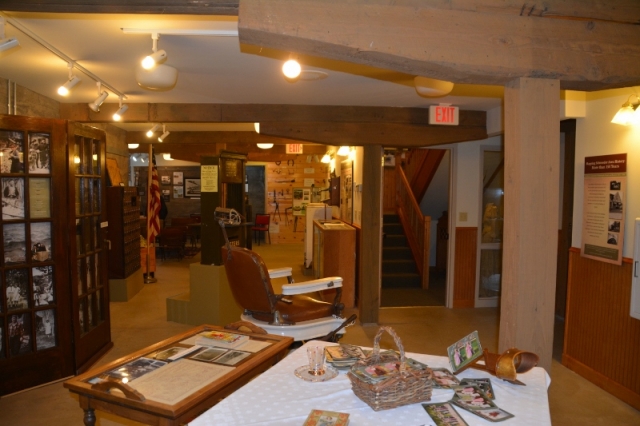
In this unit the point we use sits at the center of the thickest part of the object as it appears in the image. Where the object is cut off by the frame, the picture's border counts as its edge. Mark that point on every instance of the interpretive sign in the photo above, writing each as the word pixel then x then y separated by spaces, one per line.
pixel 605 187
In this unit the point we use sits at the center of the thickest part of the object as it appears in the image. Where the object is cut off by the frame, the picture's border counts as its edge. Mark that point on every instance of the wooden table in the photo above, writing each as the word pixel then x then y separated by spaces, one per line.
pixel 96 393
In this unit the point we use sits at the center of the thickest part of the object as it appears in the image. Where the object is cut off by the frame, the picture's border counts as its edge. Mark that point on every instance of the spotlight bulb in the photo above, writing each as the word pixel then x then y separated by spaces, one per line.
pixel 118 115
pixel 66 87
pixel 154 129
pixel 156 57
pixel 163 136
pixel 291 69
pixel 95 105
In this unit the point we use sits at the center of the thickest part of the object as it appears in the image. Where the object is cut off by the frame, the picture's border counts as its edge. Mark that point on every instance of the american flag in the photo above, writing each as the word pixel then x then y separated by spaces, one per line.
pixel 154 202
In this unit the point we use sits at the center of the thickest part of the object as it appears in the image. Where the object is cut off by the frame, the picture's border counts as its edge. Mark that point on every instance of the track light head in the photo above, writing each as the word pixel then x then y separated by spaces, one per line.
pixel 8 43
pixel 65 89
pixel 155 58
pixel 152 130
pixel 120 112
pixel 164 135
pixel 95 105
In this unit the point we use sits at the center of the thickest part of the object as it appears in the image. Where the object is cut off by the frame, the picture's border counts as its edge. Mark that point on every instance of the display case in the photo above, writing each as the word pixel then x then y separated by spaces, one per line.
pixel 123 214
pixel 334 255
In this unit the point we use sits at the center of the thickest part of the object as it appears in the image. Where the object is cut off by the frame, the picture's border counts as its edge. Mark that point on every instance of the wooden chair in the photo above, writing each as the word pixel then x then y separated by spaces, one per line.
pixel 172 238
pixel 261 224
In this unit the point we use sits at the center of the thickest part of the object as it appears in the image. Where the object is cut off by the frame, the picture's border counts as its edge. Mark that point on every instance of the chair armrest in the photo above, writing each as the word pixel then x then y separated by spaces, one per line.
pixel 311 286
pixel 279 272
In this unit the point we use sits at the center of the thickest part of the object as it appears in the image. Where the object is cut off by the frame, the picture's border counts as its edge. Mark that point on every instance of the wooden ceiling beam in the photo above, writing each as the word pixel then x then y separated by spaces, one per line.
pixel 385 134
pixel 460 45
pixel 262 113
pixel 204 138
pixel 179 7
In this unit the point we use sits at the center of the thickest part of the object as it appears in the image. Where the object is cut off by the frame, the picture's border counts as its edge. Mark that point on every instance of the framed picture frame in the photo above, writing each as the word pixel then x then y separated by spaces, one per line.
pixel 191 187
pixel 178 178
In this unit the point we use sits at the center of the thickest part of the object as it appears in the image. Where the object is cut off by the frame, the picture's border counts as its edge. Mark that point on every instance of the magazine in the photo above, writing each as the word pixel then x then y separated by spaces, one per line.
pixel 221 339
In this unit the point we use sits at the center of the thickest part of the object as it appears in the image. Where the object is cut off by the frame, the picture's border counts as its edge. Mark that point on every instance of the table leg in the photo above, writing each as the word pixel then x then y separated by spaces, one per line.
pixel 89 417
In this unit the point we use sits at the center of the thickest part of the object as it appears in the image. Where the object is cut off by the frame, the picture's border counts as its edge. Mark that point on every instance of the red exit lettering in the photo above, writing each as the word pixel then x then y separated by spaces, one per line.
pixel 443 114
pixel 294 148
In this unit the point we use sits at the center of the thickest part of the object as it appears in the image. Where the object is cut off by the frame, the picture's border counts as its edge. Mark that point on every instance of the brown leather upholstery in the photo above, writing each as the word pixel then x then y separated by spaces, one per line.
pixel 251 288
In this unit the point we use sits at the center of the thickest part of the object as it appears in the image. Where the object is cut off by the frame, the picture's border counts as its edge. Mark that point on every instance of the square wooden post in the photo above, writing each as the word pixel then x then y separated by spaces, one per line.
pixel 532 161
pixel 371 244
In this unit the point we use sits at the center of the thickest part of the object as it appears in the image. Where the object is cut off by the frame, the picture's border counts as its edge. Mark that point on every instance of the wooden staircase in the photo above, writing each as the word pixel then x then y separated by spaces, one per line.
pixel 399 268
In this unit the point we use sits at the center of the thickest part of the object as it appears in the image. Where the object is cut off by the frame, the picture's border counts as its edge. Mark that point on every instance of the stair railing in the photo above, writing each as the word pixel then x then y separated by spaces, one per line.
pixel 417 227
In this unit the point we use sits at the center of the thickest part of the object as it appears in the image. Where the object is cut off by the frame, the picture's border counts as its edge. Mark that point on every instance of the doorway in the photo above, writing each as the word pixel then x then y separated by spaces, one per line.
pixel 256 190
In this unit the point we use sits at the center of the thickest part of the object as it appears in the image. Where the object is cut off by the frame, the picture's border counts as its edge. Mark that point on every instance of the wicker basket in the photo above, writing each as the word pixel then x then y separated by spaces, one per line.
pixel 406 386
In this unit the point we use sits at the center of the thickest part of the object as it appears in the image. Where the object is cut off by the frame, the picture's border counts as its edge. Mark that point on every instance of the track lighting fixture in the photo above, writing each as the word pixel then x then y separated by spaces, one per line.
pixel 123 108
pixel 65 89
pixel 164 135
pixel 133 157
pixel 6 43
pixel 156 57
pixel 167 157
pixel 102 95
pixel 326 158
pixel 152 130
pixel 629 113
pixel 291 69
pixel 265 145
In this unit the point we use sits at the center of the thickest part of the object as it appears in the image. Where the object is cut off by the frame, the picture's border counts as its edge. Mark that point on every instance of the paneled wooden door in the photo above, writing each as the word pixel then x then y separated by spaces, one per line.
pixel 87 252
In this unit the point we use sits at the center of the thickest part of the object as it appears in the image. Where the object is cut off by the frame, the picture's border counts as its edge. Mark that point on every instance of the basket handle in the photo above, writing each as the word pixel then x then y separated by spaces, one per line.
pixel 376 346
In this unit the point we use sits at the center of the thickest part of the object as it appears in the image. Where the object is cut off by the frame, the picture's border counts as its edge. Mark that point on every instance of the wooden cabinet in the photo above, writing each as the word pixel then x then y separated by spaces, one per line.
pixel 334 254
pixel 123 214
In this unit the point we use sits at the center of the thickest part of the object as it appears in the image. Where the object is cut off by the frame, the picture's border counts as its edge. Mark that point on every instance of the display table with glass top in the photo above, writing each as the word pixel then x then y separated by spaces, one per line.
pixel 173 381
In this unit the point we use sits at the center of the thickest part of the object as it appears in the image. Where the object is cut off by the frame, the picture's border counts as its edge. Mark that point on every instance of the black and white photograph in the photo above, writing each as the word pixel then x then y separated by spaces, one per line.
pixel 177 178
pixel 615 205
pixel 19 330
pixel 615 185
pixel 12 198
pixel 166 195
pixel 192 187
pixel 612 239
pixel 12 150
pixel 39 154
pixel 165 180
pixel 17 284
pixel 2 334
pixel 135 369
pixel 14 243
pixel 167 353
pixel 40 241
pixel 614 225
pixel 209 354
pixel 43 290
pixel 232 357
pixel 45 329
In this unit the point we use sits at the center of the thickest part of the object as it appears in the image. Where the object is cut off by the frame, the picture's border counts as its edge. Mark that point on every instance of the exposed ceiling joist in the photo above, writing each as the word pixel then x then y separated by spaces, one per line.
pixel 456 45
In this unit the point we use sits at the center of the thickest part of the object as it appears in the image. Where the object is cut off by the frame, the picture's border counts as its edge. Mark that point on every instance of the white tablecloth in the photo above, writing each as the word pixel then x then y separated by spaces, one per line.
pixel 278 397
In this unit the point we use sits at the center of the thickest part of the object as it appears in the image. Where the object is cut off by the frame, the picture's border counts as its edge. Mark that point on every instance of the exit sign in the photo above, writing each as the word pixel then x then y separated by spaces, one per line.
pixel 444 114
pixel 294 148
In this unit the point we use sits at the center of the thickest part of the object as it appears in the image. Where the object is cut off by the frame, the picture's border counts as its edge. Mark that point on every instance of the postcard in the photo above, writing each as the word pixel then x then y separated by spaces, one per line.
pixel 344 352
pixel 484 385
pixel 135 369
pixel 494 414
pixel 326 418
pixel 209 354
pixel 232 357
pixel 464 351
pixel 471 398
pixel 444 414
pixel 444 379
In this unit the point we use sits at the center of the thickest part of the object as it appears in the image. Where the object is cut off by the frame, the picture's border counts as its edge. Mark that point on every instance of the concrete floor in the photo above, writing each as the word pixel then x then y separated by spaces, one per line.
pixel 142 321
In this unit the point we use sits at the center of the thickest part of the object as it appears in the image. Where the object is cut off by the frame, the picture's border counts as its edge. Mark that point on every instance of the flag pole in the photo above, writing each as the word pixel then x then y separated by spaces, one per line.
pixel 148 279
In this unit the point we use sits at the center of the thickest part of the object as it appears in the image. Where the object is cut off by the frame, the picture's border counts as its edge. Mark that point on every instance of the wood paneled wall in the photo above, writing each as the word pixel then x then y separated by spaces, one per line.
pixel 466 253
pixel 281 179
pixel 602 341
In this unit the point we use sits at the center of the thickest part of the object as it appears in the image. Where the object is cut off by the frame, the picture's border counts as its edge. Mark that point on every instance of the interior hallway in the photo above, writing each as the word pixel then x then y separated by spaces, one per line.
pixel 142 321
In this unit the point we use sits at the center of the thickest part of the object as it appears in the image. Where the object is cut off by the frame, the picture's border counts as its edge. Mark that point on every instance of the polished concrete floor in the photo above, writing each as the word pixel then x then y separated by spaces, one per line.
pixel 142 321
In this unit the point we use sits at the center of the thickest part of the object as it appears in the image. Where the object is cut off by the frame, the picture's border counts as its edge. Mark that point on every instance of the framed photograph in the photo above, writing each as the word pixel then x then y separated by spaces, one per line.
pixel 192 187
pixel 494 414
pixel 41 241
pixel 12 198
pixel 12 150
pixel 464 351
pixel 14 243
pixel 444 414
pixel 19 330
pixel 43 290
pixel 39 154
pixel 165 354
pixel 178 192
pixel 165 180
pixel 136 368
pixel 17 289
pixel 209 354
pixel 166 195
pixel 232 357
pixel 389 160
pixel 177 178
pixel 45 329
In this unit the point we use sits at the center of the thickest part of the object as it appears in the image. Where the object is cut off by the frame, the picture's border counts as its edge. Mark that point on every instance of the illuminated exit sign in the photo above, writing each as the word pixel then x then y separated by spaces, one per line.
pixel 444 114
pixel 294 148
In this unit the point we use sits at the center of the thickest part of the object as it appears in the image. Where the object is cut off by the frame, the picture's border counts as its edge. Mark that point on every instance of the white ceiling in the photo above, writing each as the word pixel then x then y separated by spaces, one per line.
pixel 211 69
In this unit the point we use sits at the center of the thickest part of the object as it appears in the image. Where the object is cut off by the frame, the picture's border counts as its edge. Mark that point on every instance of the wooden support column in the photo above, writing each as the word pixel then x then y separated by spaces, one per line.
pixel 371 244
pixel 532 159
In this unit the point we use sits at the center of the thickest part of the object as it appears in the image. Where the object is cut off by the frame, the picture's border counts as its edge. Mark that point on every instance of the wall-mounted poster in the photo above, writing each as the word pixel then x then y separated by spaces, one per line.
pixel 178 192
pixel 165 180
pixel 301 197
pixel 209 178
pixel 166 195
pixel 192 187
pixel 605 188
pixel 39 153
pixel 177 178
pixel 12 150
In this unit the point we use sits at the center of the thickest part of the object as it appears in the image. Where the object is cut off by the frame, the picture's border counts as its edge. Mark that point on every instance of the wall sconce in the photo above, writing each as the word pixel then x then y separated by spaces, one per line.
pixel 265 145
pixel 343 151
pixel 628 113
